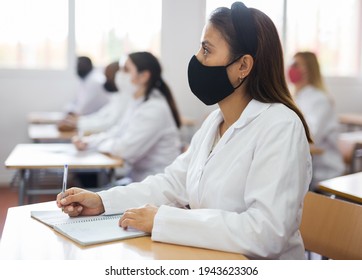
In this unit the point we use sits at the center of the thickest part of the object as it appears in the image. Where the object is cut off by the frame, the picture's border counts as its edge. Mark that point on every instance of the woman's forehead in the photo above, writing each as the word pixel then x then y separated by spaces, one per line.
pixel 213 36
pixel 211 33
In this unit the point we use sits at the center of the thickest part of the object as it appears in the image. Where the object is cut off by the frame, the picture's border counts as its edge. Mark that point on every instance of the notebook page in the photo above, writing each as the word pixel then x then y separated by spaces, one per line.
pixel 97 231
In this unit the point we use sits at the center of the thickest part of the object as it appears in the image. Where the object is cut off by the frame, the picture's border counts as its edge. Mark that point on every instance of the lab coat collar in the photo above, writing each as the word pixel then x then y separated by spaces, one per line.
pixel 251 112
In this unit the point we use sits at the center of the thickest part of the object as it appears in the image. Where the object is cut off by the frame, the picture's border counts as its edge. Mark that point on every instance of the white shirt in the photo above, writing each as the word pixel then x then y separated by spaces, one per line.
pixel 323 124
pixel 90 95
pixel 146 137
pixel 245 197
pixel 105 117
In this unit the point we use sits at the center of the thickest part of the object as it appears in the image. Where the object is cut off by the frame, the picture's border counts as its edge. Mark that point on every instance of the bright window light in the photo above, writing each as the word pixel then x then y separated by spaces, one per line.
pixel 33 34
pixel 108 29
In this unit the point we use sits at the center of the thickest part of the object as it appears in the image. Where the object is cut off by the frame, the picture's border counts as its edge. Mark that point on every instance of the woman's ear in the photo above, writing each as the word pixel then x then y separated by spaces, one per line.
pixel 145 76
pixel 246 64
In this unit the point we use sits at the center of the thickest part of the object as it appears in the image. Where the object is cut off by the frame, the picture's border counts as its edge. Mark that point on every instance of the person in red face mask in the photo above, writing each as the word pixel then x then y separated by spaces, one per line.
pixel 311 96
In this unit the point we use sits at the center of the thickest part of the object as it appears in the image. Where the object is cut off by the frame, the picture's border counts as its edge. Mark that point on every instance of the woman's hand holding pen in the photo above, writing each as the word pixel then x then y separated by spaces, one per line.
pixel 80 202
pixel 139 218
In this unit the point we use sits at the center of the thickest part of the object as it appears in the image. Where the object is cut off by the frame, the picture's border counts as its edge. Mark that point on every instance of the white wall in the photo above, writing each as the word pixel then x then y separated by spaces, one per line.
pixel 180 40
pixel 24 91
pixel 21 93
pixel 347 94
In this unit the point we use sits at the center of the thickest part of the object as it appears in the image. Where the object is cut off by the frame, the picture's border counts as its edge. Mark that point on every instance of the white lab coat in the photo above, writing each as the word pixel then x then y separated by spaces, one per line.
pixel 322 120
pixel 90 94
pixel 105 117
pixel 146 137
pixel 245 197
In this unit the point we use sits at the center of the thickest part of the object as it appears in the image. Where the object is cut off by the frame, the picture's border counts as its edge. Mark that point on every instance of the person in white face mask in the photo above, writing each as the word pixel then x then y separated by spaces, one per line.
pixel 147 136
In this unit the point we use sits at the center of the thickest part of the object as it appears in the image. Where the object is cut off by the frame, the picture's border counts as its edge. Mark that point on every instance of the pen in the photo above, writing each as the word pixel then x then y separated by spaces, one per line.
pixel 65 177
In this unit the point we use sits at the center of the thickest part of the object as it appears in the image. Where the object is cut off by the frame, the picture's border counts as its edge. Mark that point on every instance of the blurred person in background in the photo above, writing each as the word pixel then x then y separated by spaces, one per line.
pixel 90 95
pixel 147 137
pixel 317 106
pixel 105 117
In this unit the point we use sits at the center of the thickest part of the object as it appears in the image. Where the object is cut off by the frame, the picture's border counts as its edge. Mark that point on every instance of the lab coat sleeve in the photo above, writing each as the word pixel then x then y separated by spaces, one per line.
pixel 275 187
pixel 104 118
pixel 143 131
pixel 167 188
pixel 96 122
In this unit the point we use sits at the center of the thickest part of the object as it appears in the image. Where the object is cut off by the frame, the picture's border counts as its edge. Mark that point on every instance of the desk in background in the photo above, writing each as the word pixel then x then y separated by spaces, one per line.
pixel 350 145
pixel 45 117
pixel 351 120
pixel 48 133
pixel 348 187
pixel 27 239
pixel 29 157
pixel 315 151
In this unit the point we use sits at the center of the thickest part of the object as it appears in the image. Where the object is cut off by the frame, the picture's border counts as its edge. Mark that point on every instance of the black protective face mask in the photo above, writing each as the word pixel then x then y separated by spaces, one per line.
pixel 82 73
pixel 210 84
pixel 110 87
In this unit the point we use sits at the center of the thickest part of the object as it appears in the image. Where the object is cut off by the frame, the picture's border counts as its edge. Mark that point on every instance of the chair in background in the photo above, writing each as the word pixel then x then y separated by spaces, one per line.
pixel 332 227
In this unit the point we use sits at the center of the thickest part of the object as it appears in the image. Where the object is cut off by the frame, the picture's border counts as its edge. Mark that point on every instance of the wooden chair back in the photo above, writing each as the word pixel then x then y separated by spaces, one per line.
pixel 332 227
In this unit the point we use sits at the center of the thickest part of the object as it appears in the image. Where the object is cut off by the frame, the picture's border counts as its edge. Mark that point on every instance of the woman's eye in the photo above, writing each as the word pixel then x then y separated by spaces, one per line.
pixel 206 51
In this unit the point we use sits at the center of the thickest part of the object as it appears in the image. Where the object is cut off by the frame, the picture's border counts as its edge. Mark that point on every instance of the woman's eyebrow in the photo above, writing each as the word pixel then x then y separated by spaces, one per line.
pixel 207 43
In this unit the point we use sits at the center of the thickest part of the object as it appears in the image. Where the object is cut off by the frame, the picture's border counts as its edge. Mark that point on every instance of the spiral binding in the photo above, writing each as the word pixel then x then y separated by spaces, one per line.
pixel 92 219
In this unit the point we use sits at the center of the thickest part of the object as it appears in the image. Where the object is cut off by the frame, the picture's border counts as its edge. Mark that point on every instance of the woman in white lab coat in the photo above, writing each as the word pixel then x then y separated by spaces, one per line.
pixel 106 116
pixel 318 109
pixel 147 136
pixel 240 186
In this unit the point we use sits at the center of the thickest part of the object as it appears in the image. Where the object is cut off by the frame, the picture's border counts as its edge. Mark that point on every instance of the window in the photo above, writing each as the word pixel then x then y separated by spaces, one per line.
pixel 331 29
pixel 39 34
pixel 33 34
pixel 328 28
pixel 108 29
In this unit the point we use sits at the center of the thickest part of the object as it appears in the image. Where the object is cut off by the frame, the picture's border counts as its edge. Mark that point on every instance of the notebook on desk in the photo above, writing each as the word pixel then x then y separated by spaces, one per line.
pixel 87 230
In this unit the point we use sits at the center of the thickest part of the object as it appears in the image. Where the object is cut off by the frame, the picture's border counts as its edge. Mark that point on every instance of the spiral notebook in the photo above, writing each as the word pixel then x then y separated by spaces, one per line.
pixel 87 230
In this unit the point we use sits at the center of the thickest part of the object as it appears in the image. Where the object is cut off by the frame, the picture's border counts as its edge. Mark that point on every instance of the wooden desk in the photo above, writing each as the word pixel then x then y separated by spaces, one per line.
pixel 45 117
pixel 27 239
pixel 348 187
pixel 350 143
pixel 315 150
pixel 27 157
pixel 351 119
pixel 48 132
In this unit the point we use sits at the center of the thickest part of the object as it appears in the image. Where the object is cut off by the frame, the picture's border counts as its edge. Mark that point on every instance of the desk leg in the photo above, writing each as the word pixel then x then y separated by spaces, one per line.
pixel 21 194
pixel 112 175
pixel 106 177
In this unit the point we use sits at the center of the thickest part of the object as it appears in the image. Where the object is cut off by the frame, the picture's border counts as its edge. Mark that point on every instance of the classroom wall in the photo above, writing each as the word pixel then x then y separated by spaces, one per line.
pixel 24 91
pixel 180 40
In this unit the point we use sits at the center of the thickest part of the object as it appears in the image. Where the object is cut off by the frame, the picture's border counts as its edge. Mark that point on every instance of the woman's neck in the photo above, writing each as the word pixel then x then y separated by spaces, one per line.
pixel 298 87
pixel 140 93
pixel 231 108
